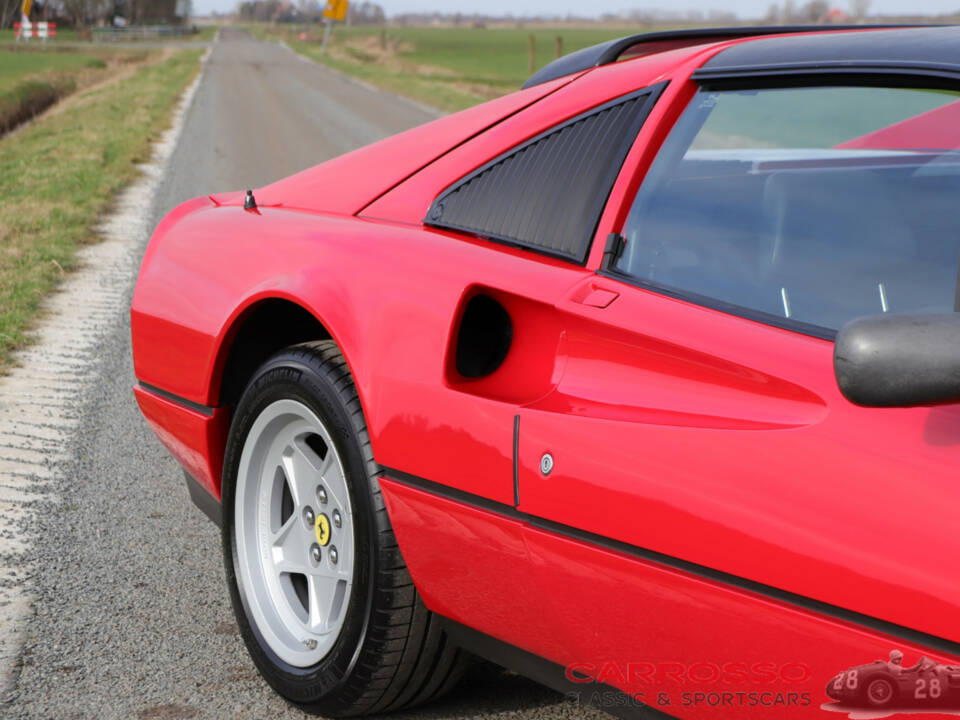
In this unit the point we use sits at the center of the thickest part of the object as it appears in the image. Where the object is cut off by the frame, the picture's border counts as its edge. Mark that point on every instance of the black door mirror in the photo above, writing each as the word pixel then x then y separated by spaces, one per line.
pixel 899 360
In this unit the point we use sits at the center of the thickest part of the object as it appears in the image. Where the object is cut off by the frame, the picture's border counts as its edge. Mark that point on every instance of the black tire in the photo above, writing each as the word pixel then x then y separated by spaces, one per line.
pixel 391 652
pixel 879 692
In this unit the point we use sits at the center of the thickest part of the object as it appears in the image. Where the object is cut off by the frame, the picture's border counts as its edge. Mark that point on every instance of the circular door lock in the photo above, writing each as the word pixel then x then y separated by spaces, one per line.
pixel 546 464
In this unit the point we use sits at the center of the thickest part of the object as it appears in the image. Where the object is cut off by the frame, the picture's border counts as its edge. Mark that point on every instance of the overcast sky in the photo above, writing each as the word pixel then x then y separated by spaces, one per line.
pixel 745 8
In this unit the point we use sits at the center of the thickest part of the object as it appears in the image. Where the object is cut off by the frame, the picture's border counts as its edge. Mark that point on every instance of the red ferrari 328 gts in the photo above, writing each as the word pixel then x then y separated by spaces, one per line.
pixel 642 381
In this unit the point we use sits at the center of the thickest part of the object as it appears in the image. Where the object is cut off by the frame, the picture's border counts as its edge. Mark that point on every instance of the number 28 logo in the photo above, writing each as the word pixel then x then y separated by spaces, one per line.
pixel 927 689
pixel 849 679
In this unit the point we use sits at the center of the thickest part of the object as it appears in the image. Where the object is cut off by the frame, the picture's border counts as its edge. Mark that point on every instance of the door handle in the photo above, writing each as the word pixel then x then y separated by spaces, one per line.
pixel 592 295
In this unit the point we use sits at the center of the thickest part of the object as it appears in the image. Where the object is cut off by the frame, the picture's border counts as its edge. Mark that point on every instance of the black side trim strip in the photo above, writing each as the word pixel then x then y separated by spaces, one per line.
pixel 196 407
pixel 516 460
pixel 914 636
pixel 210 506
pixel 603 697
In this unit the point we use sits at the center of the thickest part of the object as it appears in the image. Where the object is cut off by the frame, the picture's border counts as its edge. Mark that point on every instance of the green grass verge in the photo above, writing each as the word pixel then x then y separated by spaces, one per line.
pixel 29 98
pixel 494 56
pixel 448 68
pixel 32 81
pixel 206 33
pixel 60 174
pixel 16 66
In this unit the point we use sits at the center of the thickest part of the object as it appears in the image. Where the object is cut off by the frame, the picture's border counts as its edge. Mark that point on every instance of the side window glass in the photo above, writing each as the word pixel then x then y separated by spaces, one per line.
pixel 547 194
pixel 813 205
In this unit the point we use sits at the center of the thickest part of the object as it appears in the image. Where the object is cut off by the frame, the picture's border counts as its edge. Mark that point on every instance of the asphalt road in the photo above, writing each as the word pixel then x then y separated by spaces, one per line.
pixel 132 614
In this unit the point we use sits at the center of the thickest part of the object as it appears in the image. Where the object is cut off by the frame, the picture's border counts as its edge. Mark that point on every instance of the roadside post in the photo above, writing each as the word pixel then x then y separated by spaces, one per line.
pixel 24 19
pixel 333 11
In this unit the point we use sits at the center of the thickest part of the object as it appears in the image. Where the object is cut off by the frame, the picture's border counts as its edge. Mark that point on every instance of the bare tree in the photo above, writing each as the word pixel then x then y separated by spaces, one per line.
pixel 366 13
pixel 79 12
pixel 789 12
pixel 9 12
pixel 814 10
pixel 859 8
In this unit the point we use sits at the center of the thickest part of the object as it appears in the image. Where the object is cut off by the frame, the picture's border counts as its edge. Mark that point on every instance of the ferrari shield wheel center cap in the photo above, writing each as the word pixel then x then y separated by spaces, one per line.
pixel 322 530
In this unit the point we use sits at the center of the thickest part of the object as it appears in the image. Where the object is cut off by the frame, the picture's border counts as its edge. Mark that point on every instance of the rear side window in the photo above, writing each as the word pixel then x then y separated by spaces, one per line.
pixel 547 194
pixel 805 205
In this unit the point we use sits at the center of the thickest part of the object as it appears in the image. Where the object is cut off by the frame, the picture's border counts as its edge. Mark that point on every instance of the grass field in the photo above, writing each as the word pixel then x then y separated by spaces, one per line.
pixel 449 68
pixel 48 208
pixel 32 79
pixel 16 66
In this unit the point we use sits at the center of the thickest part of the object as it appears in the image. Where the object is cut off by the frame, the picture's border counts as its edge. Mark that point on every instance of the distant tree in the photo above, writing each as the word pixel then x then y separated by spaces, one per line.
pixel 9 12
pixel 366 13
pixel 814 10
pixel 308 9
pixel 789 12
pixel 260 10
pixel 859 8
pixel 721 16
pixel 81 13
pixel 773 14
pixel 266 10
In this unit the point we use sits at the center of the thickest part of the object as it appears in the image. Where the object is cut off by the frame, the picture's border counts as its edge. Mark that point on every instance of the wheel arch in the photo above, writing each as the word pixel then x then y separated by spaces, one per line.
pixel 258 329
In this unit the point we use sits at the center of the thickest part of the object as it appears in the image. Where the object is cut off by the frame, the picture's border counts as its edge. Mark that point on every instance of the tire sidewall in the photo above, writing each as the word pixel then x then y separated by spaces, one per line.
pixel 288 377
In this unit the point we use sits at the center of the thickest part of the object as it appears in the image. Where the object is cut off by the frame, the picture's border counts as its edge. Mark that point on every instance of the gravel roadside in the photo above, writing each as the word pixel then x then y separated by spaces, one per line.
pixel 132 618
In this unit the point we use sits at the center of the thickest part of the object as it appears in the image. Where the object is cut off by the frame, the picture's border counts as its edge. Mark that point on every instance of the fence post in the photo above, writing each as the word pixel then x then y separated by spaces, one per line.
pixel 558 48
pixel 326 34
pixel 532 51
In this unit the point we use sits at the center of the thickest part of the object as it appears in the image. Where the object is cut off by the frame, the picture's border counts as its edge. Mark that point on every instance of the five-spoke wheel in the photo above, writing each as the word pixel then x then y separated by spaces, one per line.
pixel 294 532
pixel 324 603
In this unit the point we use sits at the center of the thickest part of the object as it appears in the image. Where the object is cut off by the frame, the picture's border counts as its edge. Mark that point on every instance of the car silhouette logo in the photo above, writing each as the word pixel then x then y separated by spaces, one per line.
pixel 886 688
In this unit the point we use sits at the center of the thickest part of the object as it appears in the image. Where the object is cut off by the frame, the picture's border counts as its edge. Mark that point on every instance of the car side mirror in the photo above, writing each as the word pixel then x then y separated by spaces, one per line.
pixel 899 360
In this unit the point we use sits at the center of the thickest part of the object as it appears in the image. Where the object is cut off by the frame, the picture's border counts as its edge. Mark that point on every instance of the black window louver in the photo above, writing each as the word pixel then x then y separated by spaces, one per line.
pixel 547 194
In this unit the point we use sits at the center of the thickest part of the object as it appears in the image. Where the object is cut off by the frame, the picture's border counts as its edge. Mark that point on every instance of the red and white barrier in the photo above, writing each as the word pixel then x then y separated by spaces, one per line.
pixel 27 30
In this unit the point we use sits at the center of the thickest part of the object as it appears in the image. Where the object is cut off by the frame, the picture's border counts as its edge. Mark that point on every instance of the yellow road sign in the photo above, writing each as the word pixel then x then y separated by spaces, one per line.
pixel 334 10
pixel 25 8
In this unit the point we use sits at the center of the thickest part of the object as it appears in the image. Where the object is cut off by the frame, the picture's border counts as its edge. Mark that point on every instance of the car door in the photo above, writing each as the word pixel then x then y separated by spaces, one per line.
pixel 696 422
pixel 508 240
pixel 511 238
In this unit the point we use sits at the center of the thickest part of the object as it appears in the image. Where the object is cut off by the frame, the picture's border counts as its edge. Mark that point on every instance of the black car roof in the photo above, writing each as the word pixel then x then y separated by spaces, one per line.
pixel 924 48
pixel 612 50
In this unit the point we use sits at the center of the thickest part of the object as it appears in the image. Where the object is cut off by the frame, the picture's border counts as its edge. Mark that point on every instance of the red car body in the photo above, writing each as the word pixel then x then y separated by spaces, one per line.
pixel 719 518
